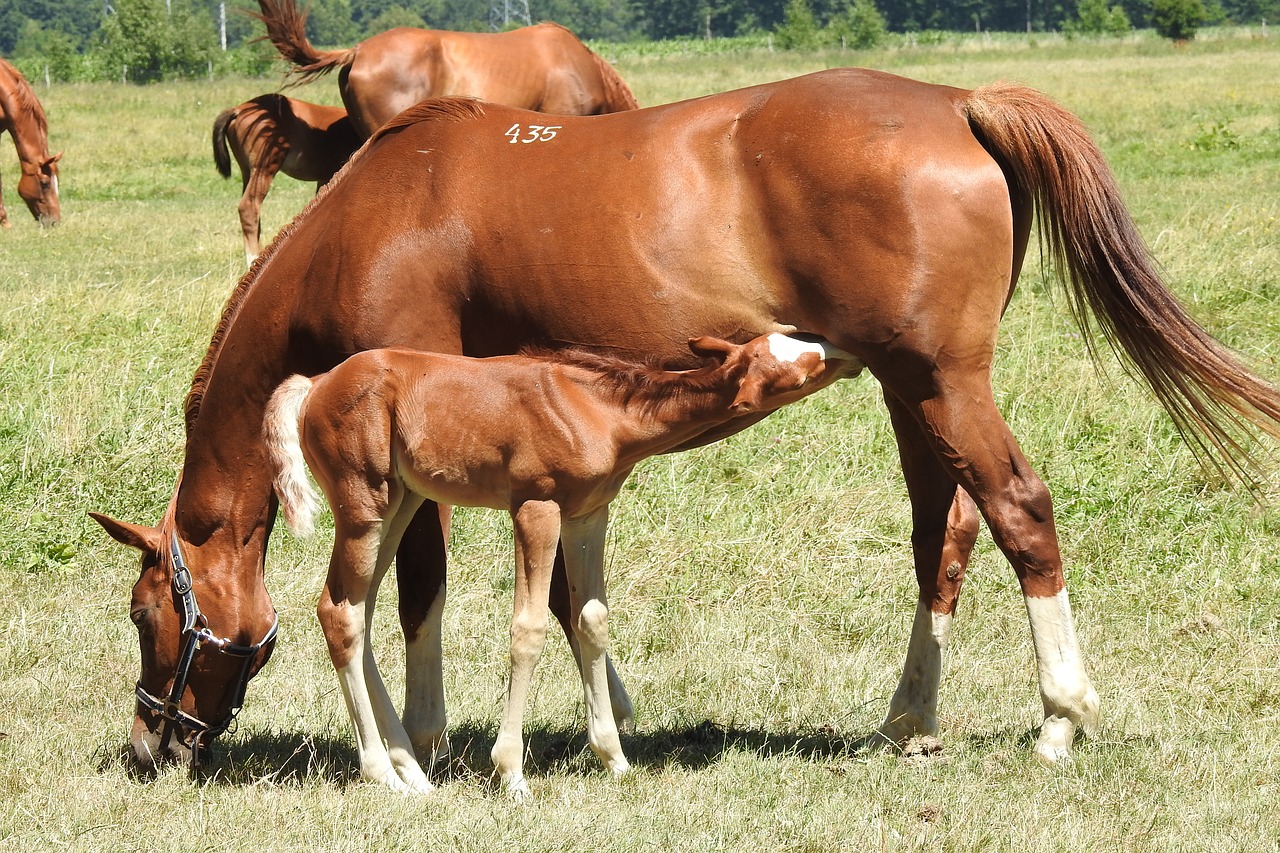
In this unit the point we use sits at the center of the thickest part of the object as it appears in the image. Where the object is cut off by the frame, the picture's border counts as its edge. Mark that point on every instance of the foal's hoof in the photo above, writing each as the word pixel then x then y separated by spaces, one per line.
pixel 518 791
pixel 1053 747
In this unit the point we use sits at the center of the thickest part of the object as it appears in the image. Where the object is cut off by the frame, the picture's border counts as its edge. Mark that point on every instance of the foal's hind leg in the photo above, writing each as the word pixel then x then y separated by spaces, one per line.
pixel 974 443
pixel 420 575
pixel 944 527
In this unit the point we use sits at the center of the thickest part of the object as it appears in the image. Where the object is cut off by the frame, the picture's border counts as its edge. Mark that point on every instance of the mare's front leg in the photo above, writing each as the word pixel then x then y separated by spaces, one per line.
pixel 944 528
pixel 537 530
pixel 421 560
pixel 583 540
pixel 971 439
pixel 361 555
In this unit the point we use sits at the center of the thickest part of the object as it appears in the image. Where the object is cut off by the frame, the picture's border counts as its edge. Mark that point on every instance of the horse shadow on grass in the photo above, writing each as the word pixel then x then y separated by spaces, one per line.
pixel 285 757
pixel 298 757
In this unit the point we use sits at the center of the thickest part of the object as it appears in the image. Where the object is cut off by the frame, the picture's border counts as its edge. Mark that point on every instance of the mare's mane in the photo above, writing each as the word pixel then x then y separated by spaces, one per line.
pixel 442 109
pixel 647 385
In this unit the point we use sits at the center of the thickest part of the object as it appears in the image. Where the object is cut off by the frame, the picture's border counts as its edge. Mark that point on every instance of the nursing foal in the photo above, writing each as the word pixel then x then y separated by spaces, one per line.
pixel 548 437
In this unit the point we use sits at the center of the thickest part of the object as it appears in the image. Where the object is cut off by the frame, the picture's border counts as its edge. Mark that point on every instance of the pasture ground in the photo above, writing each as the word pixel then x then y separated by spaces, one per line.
pixel 761 588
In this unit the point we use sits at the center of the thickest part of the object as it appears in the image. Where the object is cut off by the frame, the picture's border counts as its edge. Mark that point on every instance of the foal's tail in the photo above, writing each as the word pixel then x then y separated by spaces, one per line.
pixel 280 429
pixel 1112 277
pixel 287 30
pixel 221 154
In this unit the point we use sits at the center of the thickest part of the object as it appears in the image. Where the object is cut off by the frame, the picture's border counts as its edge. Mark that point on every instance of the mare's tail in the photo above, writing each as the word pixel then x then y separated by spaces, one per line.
pixel 286 29
pixel 221 154
pixel 1112 277
pixel 280 429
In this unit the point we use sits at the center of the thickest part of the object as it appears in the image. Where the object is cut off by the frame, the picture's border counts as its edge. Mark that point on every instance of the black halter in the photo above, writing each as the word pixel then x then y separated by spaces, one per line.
pixel 196 634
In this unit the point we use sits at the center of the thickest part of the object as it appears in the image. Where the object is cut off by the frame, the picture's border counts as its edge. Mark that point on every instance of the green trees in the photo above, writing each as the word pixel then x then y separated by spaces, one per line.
pixel 859 24
pixel 157 39
pixel 1094 17
pixel 1178 19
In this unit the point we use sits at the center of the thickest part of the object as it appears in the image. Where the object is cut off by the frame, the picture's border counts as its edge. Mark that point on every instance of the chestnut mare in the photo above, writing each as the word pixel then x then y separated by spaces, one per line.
pixel 270 134
pixel 544 67
pixel 22 115
pixel 887 216
pixel 551 440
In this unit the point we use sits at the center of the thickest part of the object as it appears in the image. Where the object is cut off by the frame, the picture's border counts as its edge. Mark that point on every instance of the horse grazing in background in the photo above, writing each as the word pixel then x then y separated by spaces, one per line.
pixel 887 216
pixel 544 67
pixel 549 439
pixel 22 115
pixel 270 134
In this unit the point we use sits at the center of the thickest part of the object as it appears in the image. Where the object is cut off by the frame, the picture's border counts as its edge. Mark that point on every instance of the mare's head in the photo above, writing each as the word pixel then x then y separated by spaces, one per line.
pixel 200 641
pixel 776 369
pixel 38 187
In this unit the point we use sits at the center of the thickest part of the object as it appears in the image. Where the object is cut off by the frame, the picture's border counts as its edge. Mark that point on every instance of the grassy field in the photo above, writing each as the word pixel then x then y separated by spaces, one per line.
pixel 761 588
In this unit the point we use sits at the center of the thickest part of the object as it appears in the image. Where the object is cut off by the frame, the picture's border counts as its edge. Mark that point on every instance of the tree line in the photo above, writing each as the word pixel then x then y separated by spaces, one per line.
pixel 153 39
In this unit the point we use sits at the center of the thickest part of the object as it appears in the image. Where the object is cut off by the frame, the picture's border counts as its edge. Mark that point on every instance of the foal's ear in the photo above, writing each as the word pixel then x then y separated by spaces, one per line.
pixel 145 539
pixel 750 396
pixel 706 346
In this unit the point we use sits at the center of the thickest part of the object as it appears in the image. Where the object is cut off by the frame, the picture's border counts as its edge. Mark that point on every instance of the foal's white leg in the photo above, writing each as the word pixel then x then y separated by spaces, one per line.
pixel 584 561
pixel 424 709
pixel 914 707
pixel 360 562
pixel 1068 696
pixel 537 531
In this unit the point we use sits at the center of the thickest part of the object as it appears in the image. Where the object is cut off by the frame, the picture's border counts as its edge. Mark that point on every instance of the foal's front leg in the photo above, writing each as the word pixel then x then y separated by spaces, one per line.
pixel 537 531
pixel 584 561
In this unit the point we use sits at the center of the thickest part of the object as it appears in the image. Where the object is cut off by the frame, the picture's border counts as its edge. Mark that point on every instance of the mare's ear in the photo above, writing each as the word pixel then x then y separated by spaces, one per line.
pixel 55 158
pixel 706 346
pixel 145 539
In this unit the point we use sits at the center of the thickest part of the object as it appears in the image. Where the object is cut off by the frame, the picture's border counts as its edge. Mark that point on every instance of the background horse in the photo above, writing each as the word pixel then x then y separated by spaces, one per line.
pixel 22 115
pixel 270 134
pixel 895 226
pixel 549 439
pixel 544 67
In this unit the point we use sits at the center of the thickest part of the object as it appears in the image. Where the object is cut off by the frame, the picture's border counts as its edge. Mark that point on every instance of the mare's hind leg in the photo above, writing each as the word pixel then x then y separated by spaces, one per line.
pixel 421 561
pixel 255 193
pixel 944 528
pixel 972 440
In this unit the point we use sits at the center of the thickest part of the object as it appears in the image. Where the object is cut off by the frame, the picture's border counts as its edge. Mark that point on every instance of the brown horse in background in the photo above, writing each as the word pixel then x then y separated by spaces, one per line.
pixel 270 134
pixel 544 67
pixel 887 216
pixel 22 115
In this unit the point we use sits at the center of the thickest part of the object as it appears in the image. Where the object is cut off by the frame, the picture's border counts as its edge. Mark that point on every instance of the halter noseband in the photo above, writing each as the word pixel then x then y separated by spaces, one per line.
pixel 195 634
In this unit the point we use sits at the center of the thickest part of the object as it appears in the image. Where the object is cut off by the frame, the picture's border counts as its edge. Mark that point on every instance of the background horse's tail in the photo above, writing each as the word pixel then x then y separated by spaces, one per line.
pixel 287 30
pixel 1112 277
pixel 618 94
pixel 280 428
pixel 221 154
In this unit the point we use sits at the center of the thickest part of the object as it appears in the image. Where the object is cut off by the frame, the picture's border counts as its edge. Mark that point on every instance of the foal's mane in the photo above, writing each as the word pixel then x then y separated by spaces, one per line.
pixel 442 109
pixel 647 384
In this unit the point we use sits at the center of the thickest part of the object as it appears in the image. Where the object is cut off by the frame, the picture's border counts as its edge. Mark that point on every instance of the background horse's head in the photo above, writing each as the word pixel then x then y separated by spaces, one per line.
pixel 193 677
pixel 38 187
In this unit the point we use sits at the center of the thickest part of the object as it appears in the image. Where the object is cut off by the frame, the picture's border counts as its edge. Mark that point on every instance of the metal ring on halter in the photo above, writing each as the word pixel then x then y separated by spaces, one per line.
pixel 194 638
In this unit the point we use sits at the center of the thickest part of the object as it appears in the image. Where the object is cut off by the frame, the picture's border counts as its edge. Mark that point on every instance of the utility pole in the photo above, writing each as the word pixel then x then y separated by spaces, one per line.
pixel 502 11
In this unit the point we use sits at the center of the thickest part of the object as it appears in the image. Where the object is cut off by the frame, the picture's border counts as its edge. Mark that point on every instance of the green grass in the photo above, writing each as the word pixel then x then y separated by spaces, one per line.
pixel 761 587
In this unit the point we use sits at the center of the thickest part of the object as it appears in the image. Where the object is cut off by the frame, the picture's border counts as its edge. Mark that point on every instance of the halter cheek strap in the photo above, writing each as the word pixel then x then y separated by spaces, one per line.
pixel 196 635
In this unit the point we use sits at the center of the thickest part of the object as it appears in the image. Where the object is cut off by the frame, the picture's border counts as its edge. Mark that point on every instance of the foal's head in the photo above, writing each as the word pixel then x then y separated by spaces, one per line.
pixel 775 369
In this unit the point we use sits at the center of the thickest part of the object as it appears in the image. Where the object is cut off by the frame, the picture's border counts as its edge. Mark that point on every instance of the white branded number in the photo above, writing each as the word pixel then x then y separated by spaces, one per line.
pixel 531 133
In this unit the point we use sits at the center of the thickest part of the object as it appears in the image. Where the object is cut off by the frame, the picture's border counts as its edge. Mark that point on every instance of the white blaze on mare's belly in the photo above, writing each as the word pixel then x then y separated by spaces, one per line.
pixel 790 349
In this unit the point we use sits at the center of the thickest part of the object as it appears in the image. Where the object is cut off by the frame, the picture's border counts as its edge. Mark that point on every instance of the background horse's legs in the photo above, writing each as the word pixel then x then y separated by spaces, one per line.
pixel 537 530
pixel 944 528
pixel 256 186
pixel 4 214
pixel 619 701
pixel 583 541
pixel 971 438
pixel 421 562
